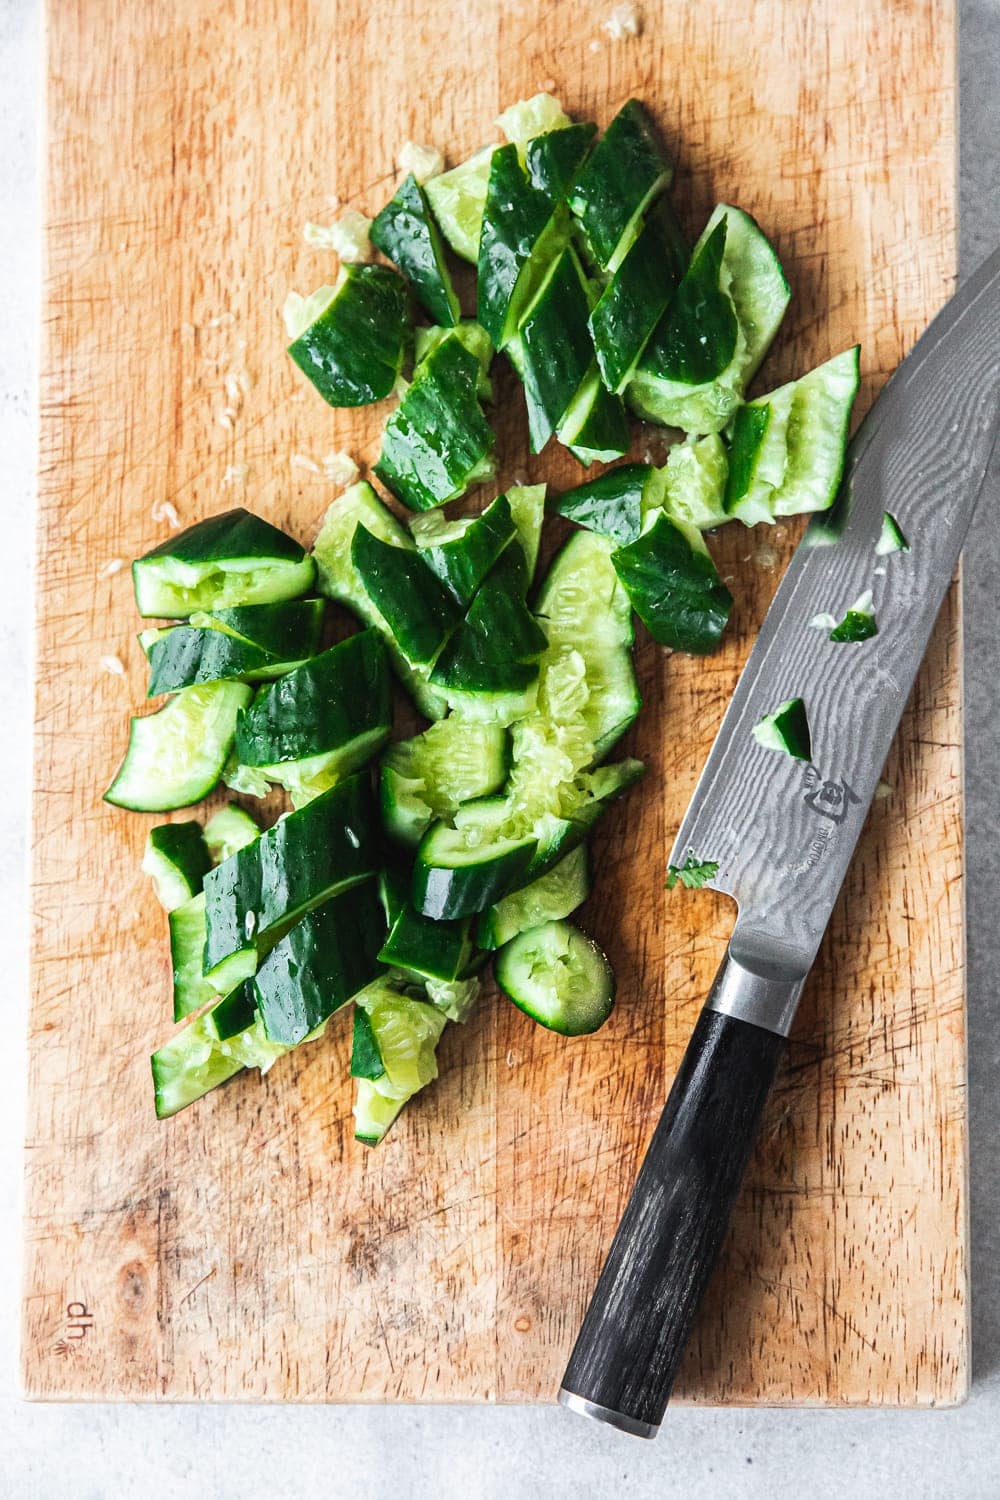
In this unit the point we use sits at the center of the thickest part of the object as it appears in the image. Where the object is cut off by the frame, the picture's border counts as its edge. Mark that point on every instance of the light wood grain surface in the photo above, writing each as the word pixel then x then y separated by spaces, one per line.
pixel 249 1249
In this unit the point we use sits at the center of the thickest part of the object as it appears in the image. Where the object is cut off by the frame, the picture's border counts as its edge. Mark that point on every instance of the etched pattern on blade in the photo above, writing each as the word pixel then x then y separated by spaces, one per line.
pixel 783 832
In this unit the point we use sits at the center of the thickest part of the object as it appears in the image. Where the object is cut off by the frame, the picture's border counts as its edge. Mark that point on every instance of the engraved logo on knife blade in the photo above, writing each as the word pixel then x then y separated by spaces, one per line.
pixel 829 798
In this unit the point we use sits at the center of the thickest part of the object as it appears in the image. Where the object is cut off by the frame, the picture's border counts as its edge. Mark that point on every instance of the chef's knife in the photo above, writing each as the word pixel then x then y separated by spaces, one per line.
pixel 782 832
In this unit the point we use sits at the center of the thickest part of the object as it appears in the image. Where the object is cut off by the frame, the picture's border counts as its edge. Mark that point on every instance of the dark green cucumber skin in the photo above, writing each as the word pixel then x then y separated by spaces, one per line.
pixel 320 964
pixel 605 430
pixel 623 169
pixel 793 727
pixel 494 648
pixel 638 295
pixel 235 533
pixel 749 429
pixel 394 888
pixel 184 845
pixel 516 217
pixel 325 703
pixel 855 626
pixel 696 338
pixel 554 160
pixel 416 607
pixel 554 348
pixel 354 351
pixel 366 1056
pixel 445 893
pixel 234 1013
pixel 190 654
pixel 287 631
pixel 675 590
pixel 406 234
pixel 463 563
pixel 432 949
pixel 611 504
pixel 437 436
pixel 328 844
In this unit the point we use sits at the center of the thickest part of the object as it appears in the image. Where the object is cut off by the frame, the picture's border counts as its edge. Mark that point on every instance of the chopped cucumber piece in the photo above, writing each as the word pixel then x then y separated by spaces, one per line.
pixel 494 649
pixel 464 868
pixel 429 949
pixel 757 455
pixel 559 977
pixel 339 579
pixel 616 503
pixel 319 965
pixel 695 482
pixel 416 607
pixel 307 857
pixel 437 442
pixel 322 721
pixel 428 777
pixel 555 159
pixel 527 509
pixel 859 622
pixel 553 350
pixel 716 330
pixel 787 730
pixel 891 538
pixel 191 989
pixel 454 997
pixel 373 1113
pixel 231 559
pixel 404 1033
pixel 553 895
pixel 176 859
pixel 674 586
pixel 522 231
pixel 229 830
pixel 625 171
pixel 528 118
pixel 366 1059
pixel 457 199
pixel 353 349
pixel 252 644
pixel 186 1068
pixel 637 296
pixel 176 756
pixel 472 337
pixel 406 233
pixel 461 553
pixel 594 427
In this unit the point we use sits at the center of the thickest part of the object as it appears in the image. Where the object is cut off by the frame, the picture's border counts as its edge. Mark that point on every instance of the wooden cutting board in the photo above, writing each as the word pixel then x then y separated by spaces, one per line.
pixel 249 1249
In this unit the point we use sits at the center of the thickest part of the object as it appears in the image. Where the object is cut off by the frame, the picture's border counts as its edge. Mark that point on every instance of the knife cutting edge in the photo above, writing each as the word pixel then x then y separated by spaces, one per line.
pixel 782 832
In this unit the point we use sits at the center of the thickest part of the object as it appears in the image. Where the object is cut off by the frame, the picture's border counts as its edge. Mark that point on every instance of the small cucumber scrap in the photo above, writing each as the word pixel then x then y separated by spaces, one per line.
pixel 251 644
pixel 353 348
pixel 229 830
pixel 432 950
pixel 787 449
pixel 559 835
pixel 787 730
pixel 176 756
pixel 495 647
pixel 616 503
pixel 637 296
pixel 231 559
pixel 461 553
pixel 554 160
pixel 307 857
pixel 554 895
pixel 522 231
pixel 191 989
pixel 624 173
pixel 472 336
pixel 858 624
pixel 438 442
pixel 457 198
pixel 695 476
pixel 429 776
pixel 559 977
pixel 891 538
pixel 531 119
pixel 321 721
pixel 716 330
pixel 674 586
pixel 188 1067
pixel 339 579
pixel 527 509
pixel 395 1046
pixel 176 859
pixel 467 865
pixel 594 427
pixel 406 234
pixel 417 608
pixel 319 965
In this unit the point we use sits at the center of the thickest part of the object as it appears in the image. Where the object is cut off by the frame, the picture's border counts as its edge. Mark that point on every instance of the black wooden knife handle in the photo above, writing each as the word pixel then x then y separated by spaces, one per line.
pixel 629 1348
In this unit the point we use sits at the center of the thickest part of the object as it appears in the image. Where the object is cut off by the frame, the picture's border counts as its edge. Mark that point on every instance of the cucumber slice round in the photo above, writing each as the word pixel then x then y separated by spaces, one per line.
pixel 559 977
pixel 457 199
pixel 552 896
pixel 235 558
pixel 176 756
pixel 177 859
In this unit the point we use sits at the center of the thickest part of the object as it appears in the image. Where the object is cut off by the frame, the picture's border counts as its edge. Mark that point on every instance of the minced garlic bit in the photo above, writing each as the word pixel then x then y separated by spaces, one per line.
pixel 112 664
pixel 882 791
pixel 236 474
pixel 340 469
pixel 303 461
pixel 422 161
pixel 623 21
pixel 766 556
pixel 164 511
pixel 823 622
pixel 346 236
pixel 111 567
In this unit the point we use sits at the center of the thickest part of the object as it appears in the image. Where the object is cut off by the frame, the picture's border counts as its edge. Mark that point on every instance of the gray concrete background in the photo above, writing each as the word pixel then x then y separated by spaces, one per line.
pixel 408 1453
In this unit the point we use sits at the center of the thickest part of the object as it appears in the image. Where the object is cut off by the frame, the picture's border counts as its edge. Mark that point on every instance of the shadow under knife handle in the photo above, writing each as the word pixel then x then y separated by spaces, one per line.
pixel 633 1336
